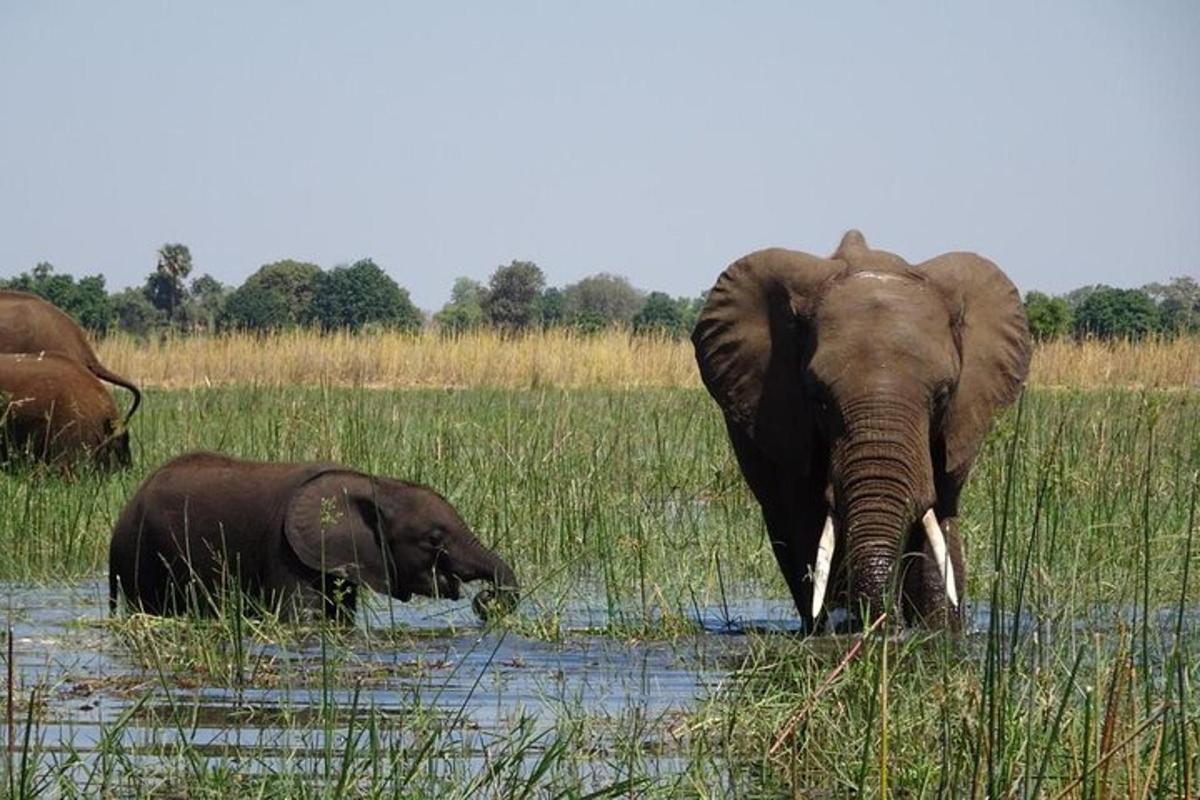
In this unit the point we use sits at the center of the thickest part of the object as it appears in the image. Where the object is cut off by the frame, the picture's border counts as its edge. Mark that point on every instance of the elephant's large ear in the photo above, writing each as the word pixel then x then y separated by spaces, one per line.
pixel 749 341
pixel 995 350
pixel 334 526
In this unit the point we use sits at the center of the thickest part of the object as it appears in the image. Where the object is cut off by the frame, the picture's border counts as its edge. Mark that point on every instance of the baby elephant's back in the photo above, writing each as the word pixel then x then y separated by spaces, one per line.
pixel 202 514
pixel 211 496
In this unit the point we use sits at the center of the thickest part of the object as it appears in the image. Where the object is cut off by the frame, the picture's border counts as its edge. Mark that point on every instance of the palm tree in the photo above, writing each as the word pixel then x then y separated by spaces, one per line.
pixel 166 286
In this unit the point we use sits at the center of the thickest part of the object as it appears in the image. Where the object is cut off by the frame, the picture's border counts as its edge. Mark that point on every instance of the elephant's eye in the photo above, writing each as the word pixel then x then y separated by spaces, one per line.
pixel 437 537
pixel 941 396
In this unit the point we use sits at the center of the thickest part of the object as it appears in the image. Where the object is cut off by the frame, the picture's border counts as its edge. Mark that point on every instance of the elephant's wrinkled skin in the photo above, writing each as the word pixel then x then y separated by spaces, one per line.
pixel 29 324
pixel 298 537
pixel 55 411
pixel 857 391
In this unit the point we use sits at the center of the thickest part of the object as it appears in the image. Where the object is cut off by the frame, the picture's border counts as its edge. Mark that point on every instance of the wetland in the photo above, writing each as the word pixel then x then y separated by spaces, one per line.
pixel 655 652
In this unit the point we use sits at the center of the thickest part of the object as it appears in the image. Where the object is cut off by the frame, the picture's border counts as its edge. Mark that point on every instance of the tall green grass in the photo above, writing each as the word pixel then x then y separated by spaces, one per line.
pixel 1079 522
pixel 588 494
pixel 1078 683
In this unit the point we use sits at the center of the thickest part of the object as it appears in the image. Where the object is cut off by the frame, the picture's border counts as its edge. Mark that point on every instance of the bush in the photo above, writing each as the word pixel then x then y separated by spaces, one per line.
pixel 1049 317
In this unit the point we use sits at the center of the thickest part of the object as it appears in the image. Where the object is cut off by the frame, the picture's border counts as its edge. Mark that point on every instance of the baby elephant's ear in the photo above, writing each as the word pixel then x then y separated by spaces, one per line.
pixel 334 526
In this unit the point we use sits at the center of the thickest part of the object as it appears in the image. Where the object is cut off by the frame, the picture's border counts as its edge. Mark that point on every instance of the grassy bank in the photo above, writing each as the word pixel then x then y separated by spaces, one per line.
pixel 559 358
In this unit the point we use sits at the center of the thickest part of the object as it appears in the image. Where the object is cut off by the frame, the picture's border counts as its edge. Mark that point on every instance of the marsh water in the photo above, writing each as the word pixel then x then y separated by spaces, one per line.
pixel 427 658
pixel 445 663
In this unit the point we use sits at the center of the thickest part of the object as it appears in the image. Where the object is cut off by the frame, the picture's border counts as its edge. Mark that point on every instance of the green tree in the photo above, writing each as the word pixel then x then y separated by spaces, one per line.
pixel 254 307
pixel 363 294
pixel 691 310
pixel 551 308
pixel 207 300
pixel 279 295
pixel 296 282
pixel 165 287
pixel 601 300
pixel 511 301
pixel 1049 317
pixel 589 322
pixel 1075 297
pixel 661 315
pixel 86 300
pixel 1178 304
pixel 464 312
pixel 134 313
pixel 1109 313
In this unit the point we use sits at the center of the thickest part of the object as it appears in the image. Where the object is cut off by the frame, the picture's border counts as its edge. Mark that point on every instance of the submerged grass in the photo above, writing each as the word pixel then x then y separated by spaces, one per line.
pixel 1077 678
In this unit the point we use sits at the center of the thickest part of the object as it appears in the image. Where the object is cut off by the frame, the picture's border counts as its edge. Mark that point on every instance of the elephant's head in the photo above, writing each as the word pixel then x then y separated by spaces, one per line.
pixel 875 382
pixel 398 538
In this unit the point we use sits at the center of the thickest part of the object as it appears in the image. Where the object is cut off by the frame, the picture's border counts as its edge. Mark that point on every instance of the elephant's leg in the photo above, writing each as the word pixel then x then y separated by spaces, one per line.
pixel 794 510
pixel 924 598
pixel 795 552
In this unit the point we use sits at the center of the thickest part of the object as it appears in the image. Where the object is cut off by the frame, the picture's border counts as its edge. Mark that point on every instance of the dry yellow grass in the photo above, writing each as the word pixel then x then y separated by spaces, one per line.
pixel 1159 364
pixel 555 358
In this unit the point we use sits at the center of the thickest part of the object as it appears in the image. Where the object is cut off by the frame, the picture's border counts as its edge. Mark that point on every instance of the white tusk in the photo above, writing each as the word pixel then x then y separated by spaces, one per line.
pixel 821 567
pixel 938 542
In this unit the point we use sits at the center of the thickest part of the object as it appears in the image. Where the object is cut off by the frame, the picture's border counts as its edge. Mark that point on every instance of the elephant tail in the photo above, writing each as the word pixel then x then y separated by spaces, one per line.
pixel 103 373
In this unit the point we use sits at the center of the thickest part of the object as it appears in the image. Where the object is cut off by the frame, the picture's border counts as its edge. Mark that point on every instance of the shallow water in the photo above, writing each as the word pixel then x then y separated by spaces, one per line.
pixel 428 659
pixel 444 663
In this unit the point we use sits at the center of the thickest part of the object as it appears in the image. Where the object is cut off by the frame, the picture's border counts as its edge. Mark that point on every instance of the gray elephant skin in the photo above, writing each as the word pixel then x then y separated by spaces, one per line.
pixel 298 538
pixel 29 324
pixel 857 391
pixel 53 410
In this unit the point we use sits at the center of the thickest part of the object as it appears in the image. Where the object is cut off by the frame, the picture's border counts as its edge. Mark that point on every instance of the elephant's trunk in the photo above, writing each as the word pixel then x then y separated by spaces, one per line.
pixel 473 562
pixel 476 562
pixel 883 481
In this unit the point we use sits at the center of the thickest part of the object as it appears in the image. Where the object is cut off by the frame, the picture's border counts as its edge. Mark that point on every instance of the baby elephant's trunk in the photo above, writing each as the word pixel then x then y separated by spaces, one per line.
pixel 479 563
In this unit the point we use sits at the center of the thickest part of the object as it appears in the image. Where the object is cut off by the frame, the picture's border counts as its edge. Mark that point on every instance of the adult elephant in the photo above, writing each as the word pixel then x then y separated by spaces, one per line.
pixel 29 324
pixel 857 390
pixel 52 409
pixel 295 537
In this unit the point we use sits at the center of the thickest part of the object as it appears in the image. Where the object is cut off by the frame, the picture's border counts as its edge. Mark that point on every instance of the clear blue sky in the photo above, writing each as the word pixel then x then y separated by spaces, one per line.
pixel 659 140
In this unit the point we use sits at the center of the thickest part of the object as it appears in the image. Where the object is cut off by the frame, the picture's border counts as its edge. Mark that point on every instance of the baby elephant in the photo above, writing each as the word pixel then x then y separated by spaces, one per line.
pixel 297 537
pixel 53 410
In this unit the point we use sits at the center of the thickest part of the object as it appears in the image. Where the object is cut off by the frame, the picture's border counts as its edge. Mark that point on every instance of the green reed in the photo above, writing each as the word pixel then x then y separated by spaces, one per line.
pixel 1079 522
pixel 1080 527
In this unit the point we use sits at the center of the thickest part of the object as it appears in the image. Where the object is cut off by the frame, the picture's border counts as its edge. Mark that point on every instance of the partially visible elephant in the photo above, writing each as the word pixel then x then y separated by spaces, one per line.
pixel 52 409
pixel 29 324
pixel 857 391
pixel 298 538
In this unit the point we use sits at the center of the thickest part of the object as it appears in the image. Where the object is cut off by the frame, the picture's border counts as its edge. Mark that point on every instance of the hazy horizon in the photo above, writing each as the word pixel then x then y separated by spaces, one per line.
pixel 658 143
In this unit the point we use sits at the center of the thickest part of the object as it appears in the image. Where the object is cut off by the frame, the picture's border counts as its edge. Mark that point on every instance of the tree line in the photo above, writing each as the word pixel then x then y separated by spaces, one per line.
pixel 1103 312
pixel 361 296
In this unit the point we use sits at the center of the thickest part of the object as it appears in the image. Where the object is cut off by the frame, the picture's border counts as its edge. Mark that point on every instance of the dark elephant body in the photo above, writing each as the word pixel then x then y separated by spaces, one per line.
pixel 29 324
pixel 857 391
pixel 55 411
pixel 298 537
